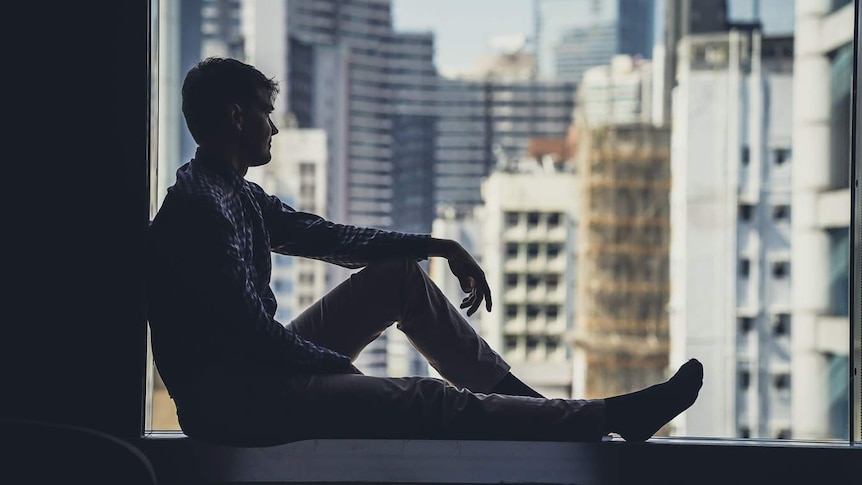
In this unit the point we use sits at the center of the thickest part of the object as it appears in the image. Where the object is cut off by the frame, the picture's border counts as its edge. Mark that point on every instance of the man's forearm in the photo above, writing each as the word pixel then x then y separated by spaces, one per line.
pixel 442 247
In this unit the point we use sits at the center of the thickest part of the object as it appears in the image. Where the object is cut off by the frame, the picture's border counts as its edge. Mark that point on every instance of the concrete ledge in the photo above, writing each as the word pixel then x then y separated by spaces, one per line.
pixel 180 460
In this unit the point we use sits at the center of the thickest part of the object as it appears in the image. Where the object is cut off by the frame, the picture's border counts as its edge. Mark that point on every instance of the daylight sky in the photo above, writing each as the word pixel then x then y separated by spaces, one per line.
pixel 463 28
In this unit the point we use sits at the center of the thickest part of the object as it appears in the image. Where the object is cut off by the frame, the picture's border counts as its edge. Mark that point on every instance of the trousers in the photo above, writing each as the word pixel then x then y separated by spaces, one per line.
pixel 269 408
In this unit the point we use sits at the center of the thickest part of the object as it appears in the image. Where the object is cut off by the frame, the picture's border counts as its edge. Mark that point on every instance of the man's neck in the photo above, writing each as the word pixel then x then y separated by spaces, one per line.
pixel 226 157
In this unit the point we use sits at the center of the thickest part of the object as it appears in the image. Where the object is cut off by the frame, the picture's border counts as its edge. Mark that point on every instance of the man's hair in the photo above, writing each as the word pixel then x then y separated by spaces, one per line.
pixel 214 84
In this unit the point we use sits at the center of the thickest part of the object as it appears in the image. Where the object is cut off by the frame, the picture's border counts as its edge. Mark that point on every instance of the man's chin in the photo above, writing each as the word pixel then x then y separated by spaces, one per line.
pixel 261 161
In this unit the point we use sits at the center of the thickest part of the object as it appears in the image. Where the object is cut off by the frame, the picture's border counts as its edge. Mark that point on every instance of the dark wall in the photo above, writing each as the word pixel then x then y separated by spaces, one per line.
pixel 75 208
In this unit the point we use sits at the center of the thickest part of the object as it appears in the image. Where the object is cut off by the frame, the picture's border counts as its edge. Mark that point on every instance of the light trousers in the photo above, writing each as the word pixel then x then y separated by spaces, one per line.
pixel 265 409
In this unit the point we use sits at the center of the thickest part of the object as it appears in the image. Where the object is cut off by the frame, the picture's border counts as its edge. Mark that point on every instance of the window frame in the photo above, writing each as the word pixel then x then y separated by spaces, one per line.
pixel 160 442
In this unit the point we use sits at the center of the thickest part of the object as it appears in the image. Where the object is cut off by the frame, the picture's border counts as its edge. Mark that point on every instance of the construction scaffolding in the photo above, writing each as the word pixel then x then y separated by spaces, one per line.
pixel 623 282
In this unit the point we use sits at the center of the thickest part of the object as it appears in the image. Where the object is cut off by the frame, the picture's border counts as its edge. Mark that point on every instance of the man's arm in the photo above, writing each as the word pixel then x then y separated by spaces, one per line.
pixel 308 235
pixel 302 234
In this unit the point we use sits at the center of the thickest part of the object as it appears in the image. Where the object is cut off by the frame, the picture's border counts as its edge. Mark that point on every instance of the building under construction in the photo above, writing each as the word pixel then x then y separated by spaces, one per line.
pixel 621 336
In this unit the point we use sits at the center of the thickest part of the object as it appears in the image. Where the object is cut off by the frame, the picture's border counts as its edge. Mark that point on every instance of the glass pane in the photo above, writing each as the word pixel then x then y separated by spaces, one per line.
pixel 636 197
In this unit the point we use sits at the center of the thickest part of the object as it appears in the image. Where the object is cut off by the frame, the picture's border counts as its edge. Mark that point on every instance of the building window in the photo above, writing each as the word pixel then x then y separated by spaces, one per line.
pixel 552 311
pixel 512 250
pixel 781 325
pixel 533 281
pixel 511 280
pixel 745 212
pixel 553 250
pixel 533 219
pixel 512 219
pixel 745 324
pixel 781 381
pixel 532 251
pixel 839 272
pixel 532 311
pixel 744 380
pixel 744 267
pixel 783 434
pixel 512 311
pixel 553 219
pixel 780 269
pixel 744 432
pixel 781 212
pixel 532 343
pixel 552 281
pixel 745 155
pixel 510 343
pixel 781 155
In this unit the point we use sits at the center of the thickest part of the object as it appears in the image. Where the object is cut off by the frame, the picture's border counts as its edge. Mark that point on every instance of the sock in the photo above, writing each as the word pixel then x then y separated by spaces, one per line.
pixel 638 415
pixel 512 386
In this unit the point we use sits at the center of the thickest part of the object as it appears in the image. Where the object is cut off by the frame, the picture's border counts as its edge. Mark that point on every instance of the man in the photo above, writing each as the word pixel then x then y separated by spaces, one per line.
pixel 240 377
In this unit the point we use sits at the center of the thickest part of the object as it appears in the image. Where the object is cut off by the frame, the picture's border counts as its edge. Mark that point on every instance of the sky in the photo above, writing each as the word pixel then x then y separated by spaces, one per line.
pixel 462 38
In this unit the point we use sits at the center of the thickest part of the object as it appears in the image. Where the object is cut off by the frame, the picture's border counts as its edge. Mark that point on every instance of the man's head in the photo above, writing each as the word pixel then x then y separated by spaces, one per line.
pixel 227 103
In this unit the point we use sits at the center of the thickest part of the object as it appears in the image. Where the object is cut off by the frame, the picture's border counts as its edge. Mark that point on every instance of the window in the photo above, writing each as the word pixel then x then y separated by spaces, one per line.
pixel 705 262
pixel 781 325
pixel 781 381
pixel 511 311
pixel 511 250
pixel 744 379
pixel 744 267
pixel 511 280
pixel 745 324
pixel 745 211
pixel 781 212
pixel 512 219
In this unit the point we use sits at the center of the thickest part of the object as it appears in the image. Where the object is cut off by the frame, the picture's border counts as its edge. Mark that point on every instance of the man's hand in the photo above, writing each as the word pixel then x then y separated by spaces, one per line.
pixel 469 274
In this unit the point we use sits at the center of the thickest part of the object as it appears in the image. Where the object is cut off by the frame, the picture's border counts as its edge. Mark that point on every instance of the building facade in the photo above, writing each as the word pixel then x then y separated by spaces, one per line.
pixel 820 204
pixel 730 303
pixel 528 239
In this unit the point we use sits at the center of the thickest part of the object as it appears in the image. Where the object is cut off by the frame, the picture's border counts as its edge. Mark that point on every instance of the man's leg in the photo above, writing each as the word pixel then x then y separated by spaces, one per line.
pixel 341 406
pixel 357 311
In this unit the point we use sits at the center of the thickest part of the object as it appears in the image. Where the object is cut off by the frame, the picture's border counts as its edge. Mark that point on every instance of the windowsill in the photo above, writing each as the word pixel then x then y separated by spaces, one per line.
pixel 178 459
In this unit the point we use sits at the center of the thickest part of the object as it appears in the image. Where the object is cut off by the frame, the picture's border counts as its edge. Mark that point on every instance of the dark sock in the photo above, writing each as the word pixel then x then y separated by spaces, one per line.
pixel 638 415
pixel 512 386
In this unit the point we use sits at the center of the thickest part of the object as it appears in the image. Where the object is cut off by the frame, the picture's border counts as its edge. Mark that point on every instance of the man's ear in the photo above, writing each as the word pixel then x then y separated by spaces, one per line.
pixel 235 117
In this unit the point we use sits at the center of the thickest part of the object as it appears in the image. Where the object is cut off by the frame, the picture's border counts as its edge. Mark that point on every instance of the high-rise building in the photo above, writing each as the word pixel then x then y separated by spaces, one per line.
pixel 682 18
pixel 528 238
pixel 482 122
pixel 413 84
pixel 574 35
pixel 776 17
pixel 730 259
pixel 820 204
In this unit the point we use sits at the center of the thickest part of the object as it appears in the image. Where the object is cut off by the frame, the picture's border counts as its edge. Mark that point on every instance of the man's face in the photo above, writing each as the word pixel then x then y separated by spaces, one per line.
pixel 257 132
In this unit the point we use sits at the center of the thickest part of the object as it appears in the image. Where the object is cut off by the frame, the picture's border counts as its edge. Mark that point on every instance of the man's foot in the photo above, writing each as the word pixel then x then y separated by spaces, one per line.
pixel 639 415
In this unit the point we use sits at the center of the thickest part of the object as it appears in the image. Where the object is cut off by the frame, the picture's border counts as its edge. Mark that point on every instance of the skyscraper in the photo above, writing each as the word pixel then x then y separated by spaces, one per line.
pixel 573 35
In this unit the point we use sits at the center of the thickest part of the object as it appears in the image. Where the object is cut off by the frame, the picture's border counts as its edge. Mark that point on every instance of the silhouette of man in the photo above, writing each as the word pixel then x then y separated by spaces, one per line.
pixel 240 377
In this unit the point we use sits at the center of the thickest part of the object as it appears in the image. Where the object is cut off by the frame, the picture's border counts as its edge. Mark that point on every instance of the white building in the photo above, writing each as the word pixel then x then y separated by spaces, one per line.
pixel 528 247
pixel 730 256
pixel 823 66
pixel 617 93
pixel 296 175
